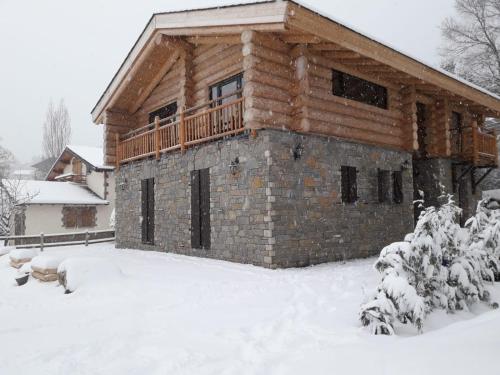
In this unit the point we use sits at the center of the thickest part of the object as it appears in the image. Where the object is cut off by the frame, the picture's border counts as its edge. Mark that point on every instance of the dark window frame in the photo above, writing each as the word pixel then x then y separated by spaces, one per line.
pixel 351 87
pixel 238 78
pixel 349 184
pixel 163 112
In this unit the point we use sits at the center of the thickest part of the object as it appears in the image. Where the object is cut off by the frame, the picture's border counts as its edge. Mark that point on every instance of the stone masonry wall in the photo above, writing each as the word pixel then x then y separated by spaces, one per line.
pixel 275 211
pixel 237 202
pixel 311 224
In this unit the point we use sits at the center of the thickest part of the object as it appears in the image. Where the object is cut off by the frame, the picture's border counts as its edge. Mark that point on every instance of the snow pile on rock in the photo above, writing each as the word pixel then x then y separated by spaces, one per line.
pixel 18 257
pixel 45 266
pixel 75 273
pixel 441 265
pixel 21 254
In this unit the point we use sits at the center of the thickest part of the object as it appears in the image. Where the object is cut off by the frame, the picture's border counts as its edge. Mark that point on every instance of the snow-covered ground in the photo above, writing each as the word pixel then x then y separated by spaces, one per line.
pixel 171 314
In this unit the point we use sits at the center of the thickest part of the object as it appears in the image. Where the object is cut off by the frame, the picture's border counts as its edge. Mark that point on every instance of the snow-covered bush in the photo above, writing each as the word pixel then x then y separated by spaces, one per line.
pixel 438 266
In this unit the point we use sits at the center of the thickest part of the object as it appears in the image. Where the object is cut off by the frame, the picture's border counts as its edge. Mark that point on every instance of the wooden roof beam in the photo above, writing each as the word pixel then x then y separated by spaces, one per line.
pixel 301 18
pixel 215 39
pixel 300 38
pixel 328 47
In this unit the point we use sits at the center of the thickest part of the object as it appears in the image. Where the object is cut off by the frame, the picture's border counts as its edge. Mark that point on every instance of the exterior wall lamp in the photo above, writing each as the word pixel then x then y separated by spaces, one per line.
pixel 234 166
pixel 298 150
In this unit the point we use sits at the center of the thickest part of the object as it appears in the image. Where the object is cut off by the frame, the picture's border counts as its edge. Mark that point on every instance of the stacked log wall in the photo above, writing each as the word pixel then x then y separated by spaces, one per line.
pixel 268 77
pixel 168 90
pixel 327 114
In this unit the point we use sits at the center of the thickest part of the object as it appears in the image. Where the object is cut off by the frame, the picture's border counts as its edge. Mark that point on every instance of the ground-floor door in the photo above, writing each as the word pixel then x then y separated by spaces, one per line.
pixel 148 210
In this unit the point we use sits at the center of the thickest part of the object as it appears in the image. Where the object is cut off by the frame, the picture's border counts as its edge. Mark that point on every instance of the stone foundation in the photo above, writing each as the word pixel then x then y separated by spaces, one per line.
pixel 276 208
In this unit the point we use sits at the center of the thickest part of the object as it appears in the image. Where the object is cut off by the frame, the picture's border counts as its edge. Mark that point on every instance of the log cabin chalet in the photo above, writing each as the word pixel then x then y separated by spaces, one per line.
pixel 267 133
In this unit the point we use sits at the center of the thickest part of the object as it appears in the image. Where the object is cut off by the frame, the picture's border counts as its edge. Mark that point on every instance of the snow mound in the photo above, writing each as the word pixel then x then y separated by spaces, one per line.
pixel 26 268
pixel 4 250
pixel 75 273
pixel 20 254
pixel 46 262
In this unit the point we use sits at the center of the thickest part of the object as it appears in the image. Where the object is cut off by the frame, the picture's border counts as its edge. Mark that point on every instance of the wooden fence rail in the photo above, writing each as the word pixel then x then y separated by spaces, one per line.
pixel 60 239
pixel 190 127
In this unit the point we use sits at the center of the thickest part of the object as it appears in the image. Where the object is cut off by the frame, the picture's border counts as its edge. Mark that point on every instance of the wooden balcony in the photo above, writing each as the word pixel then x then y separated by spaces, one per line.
pixel 212 120
pixel 477 147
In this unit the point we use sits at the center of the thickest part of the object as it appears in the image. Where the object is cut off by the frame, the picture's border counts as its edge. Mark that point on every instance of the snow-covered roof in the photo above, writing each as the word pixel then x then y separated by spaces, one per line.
pixel 280 13
pixel 50 192
pixel 92 155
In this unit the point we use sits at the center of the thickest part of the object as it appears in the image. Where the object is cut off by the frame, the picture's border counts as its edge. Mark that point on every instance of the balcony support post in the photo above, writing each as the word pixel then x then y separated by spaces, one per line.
pixel 157 137
pixel 182 130
pixel 117 151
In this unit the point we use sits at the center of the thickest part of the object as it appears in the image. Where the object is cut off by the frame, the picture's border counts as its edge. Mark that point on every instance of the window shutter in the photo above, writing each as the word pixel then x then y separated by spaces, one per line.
pixel 397 178
pixel 205 208
pixel 383 186
pixel 345 183
pixel 195 210
pixel 381 195
pixel 151 211
pixel 144 209
pixel 349 184
pixel 353 186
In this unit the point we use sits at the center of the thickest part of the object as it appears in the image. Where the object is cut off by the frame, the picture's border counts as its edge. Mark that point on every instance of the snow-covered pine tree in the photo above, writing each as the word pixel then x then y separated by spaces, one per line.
pixel 436 268
pixel 484 238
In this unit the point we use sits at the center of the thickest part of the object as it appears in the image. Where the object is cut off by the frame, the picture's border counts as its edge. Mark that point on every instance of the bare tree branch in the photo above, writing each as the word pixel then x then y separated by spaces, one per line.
pixel 56 130
pixel 472 42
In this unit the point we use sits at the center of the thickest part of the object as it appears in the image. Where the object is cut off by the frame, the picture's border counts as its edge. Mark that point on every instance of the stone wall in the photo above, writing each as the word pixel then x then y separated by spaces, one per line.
pixel 311 224
pixel 274 210
pixel 237 201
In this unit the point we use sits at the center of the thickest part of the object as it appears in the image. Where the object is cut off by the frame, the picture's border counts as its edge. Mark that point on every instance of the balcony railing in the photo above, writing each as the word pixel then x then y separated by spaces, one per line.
pixel 212 120
pixel 477 147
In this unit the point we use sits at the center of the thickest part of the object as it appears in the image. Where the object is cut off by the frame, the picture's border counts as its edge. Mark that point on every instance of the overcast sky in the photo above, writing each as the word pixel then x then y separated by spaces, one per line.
pixel 55 49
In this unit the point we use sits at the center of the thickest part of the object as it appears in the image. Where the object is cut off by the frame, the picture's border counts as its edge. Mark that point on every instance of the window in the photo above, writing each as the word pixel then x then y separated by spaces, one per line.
pixel 148 210
pixel 354 88
pixel 397 186
pixel 79 217
pixel 200 209
pixel 349 186
pixel 226 87
pixel 163 112
pixel 383 186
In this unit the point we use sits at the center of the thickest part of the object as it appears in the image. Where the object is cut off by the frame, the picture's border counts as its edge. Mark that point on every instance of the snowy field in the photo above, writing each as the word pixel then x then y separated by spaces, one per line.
pixel 171 314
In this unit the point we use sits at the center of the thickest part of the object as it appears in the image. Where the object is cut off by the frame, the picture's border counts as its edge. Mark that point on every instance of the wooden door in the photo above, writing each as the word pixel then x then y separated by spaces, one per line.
pixel 148 211
pixel 200 209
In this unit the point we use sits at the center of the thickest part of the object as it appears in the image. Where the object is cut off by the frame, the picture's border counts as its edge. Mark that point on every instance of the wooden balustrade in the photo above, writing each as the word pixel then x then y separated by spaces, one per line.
pixel 478 147
pixel 179 132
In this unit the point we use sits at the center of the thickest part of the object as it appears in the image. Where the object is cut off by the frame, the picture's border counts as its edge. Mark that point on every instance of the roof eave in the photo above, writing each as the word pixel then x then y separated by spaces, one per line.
pixel 188 22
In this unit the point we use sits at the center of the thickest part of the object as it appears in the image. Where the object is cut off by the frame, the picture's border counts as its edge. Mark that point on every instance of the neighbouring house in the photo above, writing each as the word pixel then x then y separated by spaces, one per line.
pixel 85 165
pixel 267 133
pixel 78 195
pixel 42 168
pixel 55 208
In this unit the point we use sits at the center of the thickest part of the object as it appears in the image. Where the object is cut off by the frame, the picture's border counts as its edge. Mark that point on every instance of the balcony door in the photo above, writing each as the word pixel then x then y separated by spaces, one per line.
pixel 221 93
